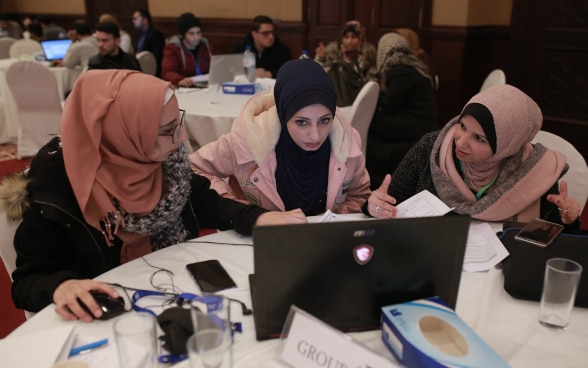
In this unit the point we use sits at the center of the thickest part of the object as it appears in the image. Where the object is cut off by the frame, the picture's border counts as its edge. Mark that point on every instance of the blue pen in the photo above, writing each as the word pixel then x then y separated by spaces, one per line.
pixel 88 347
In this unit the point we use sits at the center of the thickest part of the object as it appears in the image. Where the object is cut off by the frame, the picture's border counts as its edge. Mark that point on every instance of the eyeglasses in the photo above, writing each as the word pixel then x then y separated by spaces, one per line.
pixel 177 129
pixel 266 33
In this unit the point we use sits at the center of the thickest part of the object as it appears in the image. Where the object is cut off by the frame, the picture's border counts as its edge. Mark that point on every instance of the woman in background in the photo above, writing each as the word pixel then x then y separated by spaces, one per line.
pixel 349 62
pixel 482 164
pixel 289 149
pixel 406 108
pixel 187 54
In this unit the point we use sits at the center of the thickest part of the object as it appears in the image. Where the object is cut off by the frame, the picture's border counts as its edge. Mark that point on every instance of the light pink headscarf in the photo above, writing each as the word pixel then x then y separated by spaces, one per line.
pixel 109 130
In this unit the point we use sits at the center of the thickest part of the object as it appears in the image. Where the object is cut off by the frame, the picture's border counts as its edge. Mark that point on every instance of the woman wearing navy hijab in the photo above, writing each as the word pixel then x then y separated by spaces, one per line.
pixel 290 149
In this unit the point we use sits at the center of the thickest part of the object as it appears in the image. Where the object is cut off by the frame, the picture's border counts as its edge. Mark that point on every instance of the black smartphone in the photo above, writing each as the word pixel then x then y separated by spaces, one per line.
pixel 539 232
pixel 210 276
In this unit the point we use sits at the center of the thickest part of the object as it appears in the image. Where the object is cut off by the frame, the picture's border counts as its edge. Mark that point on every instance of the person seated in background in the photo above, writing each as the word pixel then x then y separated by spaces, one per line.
pixel 187 54
pixel 288 149
pixel 406 108
pixel 482 164
pixel 51 31
pixel 83 47
pixel 110 56
pixel 270 52
pixel 151 38
pixel 350 62
pixel 413 40
pixel 34 31
pixel 9 28
pixel 126 43
pixel 115 186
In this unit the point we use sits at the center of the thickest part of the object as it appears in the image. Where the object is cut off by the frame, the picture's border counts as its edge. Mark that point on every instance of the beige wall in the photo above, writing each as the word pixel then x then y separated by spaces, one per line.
pixel 471 12
pixel 287 10
pixel 44 6
pixel 445 12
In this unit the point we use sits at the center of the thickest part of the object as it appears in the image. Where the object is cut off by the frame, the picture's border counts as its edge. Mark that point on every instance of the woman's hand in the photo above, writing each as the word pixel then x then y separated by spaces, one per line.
pixel 569 208
pixel 186 82
pixel 66 297
pixel 380 204
pixel 282 218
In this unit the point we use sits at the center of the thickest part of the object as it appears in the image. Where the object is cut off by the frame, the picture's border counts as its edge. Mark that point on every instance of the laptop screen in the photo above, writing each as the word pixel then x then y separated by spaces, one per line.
pixel 344 272
pixel 224 68
pixel 55 49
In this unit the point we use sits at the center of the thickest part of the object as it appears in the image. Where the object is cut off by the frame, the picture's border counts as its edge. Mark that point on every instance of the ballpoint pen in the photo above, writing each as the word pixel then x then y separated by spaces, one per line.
pixel 88 347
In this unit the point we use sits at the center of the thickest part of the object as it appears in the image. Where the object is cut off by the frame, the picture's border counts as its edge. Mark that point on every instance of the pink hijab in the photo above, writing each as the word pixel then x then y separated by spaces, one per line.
pixel 108 132
pixel 526 172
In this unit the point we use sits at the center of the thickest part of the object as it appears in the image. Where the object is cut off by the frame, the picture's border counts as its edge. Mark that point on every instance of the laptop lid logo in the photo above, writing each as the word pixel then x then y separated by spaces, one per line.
pixel 363 253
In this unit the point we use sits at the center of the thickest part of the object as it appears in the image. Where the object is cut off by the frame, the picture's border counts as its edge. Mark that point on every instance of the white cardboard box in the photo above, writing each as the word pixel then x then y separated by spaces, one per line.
pixel 427 333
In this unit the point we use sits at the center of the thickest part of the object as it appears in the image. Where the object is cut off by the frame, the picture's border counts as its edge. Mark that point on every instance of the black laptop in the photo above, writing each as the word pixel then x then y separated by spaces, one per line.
pixel 344 272
pixel 55 49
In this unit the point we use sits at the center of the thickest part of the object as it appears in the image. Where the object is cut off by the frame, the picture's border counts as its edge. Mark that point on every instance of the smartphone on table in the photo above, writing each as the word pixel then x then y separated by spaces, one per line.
pixel 539 232
pixel 210 276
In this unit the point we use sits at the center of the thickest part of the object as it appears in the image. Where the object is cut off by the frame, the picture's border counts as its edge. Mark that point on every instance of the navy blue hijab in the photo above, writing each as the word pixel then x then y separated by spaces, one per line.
pixel 302 176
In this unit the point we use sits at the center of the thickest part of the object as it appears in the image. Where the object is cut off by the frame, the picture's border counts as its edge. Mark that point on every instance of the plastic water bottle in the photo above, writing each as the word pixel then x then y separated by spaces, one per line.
pixel 304 54
pixel 249 64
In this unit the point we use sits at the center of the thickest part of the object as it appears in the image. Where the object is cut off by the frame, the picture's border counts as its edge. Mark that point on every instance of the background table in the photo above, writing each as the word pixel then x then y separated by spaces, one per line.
pixel 205 122
pixel 508 325
pixel 9 125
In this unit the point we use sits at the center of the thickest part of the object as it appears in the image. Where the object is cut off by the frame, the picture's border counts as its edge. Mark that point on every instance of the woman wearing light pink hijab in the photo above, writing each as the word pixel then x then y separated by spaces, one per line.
pixel 482 163
pixel 115 186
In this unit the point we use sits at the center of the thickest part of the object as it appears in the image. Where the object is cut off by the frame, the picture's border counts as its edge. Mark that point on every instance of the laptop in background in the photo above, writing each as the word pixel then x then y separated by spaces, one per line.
pixel 344 272
pixel 224 68
pixel 55 49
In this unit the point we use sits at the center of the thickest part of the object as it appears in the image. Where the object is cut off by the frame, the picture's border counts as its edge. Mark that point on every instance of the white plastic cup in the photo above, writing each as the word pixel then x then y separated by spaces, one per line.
pixel 211 345
pixel 214 93
pixel 136 340
pixel 560 285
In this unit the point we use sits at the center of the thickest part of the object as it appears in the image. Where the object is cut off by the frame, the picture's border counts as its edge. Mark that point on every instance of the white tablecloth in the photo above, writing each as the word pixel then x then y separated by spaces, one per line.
pixel 9 122
pixel 205 121
pixel 508 325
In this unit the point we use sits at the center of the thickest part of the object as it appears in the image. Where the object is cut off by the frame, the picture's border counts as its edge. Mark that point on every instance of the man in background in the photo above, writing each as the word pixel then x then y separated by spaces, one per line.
pixel 270 52
pixel 151 39
pixel 110 55
pixel 9 28
pixel 83 47
pixel 51 31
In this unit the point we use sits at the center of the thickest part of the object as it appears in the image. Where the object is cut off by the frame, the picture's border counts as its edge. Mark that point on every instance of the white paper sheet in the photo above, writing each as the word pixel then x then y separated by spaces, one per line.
pixel 483 250
pixel 423 204
pixel 40 349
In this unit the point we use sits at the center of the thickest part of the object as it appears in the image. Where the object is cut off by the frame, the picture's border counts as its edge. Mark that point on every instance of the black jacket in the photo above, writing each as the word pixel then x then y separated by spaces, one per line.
pixel 271 59
pixel 120 61
pixel 154 43
pixel 54 243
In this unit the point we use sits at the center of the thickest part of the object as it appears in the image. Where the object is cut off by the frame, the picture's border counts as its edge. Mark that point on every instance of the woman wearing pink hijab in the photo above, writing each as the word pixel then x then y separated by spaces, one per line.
pixel 482 163
pixel 116 185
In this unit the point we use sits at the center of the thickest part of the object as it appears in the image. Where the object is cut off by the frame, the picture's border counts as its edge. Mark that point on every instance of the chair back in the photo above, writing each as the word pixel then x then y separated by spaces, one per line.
pixel 577 175
pixel 24 47
pixel 5 43
pixel 34 88
pixel 494 78
pixel 7 252
pixel 147 62
pixel 363 108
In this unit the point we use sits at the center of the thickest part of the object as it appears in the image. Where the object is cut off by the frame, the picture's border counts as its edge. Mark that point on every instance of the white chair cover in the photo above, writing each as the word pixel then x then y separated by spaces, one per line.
pixel 577 175
pixel 147 62
pixel 495 78
pixel 24 47
pixel 361 112
pixel 35 92
pixel 5 43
